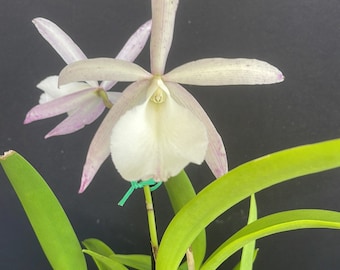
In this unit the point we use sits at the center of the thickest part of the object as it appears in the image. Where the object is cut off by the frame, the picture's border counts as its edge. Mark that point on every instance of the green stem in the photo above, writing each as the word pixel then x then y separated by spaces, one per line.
pixel 103 95
pixel 151 220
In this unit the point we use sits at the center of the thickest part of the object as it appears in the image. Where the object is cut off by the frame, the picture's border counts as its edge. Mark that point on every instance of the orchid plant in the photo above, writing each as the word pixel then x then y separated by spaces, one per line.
pixel 157 118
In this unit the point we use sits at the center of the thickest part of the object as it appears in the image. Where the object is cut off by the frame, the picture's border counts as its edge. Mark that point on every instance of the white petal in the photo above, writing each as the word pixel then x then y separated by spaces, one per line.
pixel 222 71
pixel 102 69
pixel 59 40
pixel 216 156
pixel 45 98
pixel 157 141
pixel 99 148
pixel 50 86
pixel 163 20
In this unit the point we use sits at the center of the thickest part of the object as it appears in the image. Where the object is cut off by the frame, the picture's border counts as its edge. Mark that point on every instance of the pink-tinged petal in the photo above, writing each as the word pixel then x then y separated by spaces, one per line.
pixel 99 148
pixel 84 115
pixel 163 21
pixel 50 86
pixel 135 43
pixel 59 40
pixel 102 69
pixel 131 49
pixel 60 105
pixel 216 157
pixel 157 140
pixel 222 71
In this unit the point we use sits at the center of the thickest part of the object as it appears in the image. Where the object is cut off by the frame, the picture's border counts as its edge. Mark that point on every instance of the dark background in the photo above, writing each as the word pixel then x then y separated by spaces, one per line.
pixel 301 38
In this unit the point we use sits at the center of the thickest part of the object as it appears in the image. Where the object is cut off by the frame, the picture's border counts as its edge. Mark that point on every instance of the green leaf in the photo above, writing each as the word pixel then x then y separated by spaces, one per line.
pixel 275 223
pixel 98 246
pixel 108 262
pixel 101 248
pixel 47 217
pixel 237 185
pixel 237 266
pixel 248 250
pixel 180 192
pixel 136 261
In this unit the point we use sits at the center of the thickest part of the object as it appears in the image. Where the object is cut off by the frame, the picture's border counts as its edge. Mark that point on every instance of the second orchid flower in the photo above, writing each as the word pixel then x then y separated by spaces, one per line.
pixel 84 102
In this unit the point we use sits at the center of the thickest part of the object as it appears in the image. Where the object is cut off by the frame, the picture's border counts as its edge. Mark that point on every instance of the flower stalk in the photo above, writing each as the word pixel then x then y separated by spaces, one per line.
pixel 151 221
pixel 103 95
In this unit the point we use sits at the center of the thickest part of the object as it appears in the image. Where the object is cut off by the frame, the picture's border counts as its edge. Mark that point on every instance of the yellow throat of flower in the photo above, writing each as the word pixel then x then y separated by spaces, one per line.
pixel 159 90
pixel 158 96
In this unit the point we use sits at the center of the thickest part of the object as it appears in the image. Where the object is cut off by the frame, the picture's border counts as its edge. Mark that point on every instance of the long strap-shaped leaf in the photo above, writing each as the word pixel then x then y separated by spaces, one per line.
pixel 275 223
pixel 103 255
pixel 99 247
pixel 248 251
pixel 47 217
pixel 237 185
pixel 180 191
pixel 109 263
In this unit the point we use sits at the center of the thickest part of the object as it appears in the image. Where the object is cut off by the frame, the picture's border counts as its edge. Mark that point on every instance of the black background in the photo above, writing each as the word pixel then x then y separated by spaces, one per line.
pixel 301 38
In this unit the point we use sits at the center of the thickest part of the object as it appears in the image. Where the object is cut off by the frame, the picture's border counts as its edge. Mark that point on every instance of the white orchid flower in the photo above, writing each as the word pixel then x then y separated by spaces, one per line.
pixel 156 127
pixel 84 102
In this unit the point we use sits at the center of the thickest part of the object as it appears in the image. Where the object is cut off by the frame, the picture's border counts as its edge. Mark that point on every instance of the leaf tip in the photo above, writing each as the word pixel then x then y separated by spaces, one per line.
pixel 7 154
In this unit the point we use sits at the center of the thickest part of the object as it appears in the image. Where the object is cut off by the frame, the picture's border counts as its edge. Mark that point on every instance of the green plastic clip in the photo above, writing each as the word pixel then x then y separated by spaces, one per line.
pixel 136 185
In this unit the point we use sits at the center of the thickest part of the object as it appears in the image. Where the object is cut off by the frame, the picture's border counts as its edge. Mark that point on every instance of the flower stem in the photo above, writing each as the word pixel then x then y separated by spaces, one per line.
pixel 103 95
pixel 151 221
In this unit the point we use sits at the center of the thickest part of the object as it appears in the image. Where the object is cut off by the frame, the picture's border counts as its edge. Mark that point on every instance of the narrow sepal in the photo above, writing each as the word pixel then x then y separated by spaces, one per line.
pixel 59 40
pixel 60 105
pixel 82 116
pixel 101 69
pixel 223 71
pixel 163 21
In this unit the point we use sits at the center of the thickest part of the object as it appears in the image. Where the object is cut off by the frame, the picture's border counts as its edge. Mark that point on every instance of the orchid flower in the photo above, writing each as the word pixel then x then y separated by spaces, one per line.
pixel 84 102
pixel 156 127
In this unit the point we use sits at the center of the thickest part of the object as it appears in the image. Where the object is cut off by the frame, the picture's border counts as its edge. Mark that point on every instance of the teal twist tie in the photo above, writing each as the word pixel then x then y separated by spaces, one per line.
pixel 136 185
